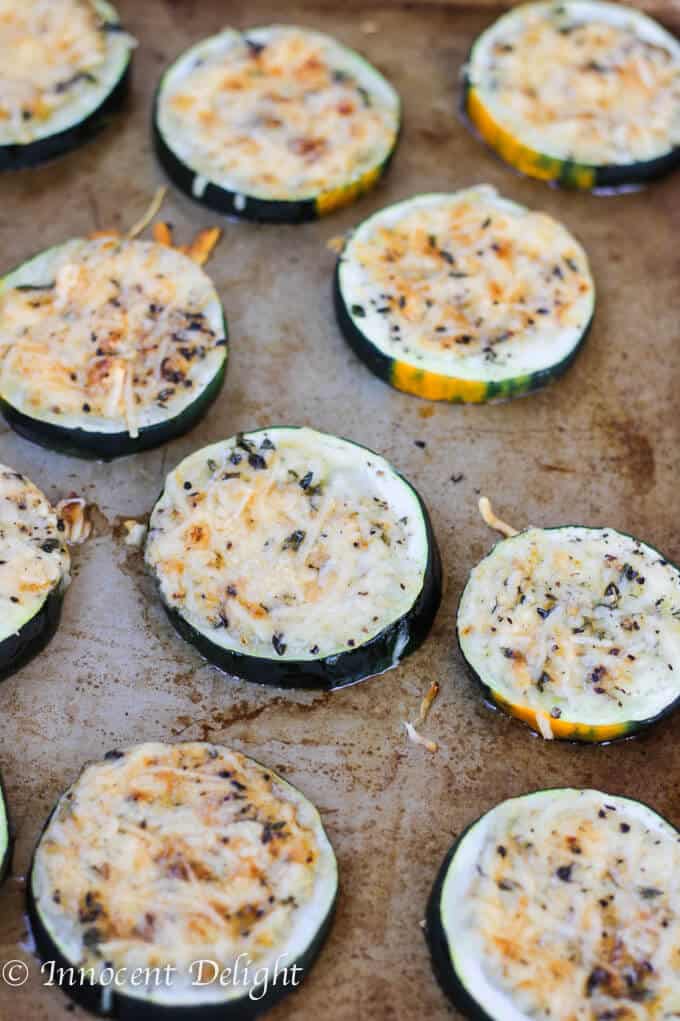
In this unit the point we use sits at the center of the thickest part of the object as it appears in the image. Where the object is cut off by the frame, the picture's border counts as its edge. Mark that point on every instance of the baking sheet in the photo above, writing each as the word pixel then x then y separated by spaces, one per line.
pixel 600 447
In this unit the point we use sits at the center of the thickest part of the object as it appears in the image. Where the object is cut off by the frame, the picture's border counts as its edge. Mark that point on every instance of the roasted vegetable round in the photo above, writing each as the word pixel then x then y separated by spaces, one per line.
pixel 109 346
pixel 34 570
pixel 277 123
pixel 64 67
pixel 559 904
pixel 576 631
pixel 464 296
pixel 295 558
pixel 583 92
pixel 178 880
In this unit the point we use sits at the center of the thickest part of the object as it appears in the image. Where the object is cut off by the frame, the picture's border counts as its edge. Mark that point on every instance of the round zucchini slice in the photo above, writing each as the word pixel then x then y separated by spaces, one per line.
pixel 464 296
pixel 34 571
pixel 5 836
pixel 178 881
pixel 278 123
pixel 64 68
pixel 109 347
pixel 559 904
pixel 294 558
pixel 582 92
pixel 575 630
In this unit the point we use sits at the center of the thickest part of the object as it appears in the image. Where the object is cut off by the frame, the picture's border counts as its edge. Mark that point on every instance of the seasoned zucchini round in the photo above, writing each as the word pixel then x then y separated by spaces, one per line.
pixel 583 92
pixel 294 558
pixel 109 347
pixel 64 68
pixel 464 296
pixel 281 124
pixel 5 836
pixel 559 904
pixel 181 880
pixel 34 570
pixel 575 630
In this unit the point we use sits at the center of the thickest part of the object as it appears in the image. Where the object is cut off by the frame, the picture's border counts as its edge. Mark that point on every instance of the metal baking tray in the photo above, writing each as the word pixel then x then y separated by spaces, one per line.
pixel 599 447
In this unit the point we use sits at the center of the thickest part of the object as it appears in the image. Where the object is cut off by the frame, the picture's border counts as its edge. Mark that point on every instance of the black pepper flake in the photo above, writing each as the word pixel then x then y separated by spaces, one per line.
pixel 420 443
pixel 359 311
pixel 278 643
pixel 564 873
pixel 294 540
pixel 187 485
pixel 50 545
pixel 624 827
pixel 257 462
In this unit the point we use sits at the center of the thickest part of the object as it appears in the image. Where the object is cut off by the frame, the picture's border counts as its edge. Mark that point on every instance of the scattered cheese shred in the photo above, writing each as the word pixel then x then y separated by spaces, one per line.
pixel 98 235
pixel 150 214
pixel 201 248
pixel 162 234
pixel 74 513
pixel 543 723
pixel 417 738
pixel 427 701
pixel 336 244
pixel 135 533
pixel 486 510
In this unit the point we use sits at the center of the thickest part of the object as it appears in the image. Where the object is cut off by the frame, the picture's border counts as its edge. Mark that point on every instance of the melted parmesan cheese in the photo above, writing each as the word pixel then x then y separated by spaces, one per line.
pixel 593 82
pixel 468 284
pixel 170 854
pixel 34 560
pixel 107 335
pixel 288 542
pixel 279 112
pixel 581 623
pixel 565 906
pixel 58 61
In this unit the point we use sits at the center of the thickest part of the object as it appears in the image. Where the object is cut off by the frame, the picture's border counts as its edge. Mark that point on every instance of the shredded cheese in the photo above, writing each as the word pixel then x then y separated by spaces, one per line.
pixel 490 519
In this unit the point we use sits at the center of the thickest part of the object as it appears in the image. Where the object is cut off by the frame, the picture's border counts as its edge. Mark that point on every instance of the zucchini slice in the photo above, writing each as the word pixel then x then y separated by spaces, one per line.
pixel 464 297
pixel 281 124
pixel 200 879
pixel 575 630
pixel 109 347
pixel 559 904
pixel 294 558
pixel 64 68
pixel 5 836
pixel 580 92
pixel 34 570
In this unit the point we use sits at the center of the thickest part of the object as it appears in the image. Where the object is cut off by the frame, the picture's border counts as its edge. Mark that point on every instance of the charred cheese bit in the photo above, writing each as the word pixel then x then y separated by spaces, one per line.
pixel 278 112
pixel 467 285
pixel 58 60
pixel 34 560
pixel 565 906
pixel 108 335
pixel 578 624
pixel 288 543
pixel 595 83
pixel 167 854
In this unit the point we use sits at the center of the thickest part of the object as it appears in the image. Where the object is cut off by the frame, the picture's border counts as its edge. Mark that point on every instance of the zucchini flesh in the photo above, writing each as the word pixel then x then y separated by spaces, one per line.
pixel 34 570
pixel 5 836
pixel 309 104
pixel 292 557
pixel 464 296
pixel 65 68
pixel 576 631
pixel 555 870
pixel 232 864
pixel 584 93
pixel 126 346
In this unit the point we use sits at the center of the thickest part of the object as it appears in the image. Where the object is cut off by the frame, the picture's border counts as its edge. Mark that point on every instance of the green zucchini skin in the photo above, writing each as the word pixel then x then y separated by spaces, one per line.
pixel 128 1008
pixel 6 860
pixel 221 200
pixel 582 734
pixel 18 649
pixel 438 946
pixel 108 446
pixel 382 366
pixel 349 667
pixel 31 154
